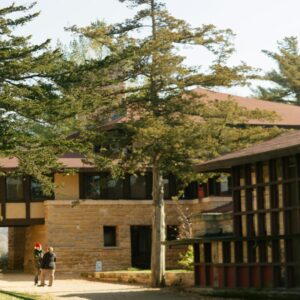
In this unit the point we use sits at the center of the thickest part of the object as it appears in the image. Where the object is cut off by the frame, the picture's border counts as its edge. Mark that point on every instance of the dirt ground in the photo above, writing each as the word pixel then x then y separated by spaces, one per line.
pixel 80 289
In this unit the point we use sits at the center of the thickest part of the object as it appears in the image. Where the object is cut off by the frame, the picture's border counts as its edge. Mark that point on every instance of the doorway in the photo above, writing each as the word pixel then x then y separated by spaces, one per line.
pixel 140 246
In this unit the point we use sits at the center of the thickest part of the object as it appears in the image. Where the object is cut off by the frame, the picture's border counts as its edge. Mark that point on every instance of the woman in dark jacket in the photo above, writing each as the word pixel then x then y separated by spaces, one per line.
pixel 48 266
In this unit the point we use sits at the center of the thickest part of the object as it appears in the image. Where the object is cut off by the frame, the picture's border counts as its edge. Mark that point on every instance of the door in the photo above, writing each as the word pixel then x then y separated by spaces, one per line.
pixel 140 246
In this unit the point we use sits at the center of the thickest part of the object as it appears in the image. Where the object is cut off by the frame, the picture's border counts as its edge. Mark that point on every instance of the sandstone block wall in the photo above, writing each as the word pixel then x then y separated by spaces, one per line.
pixel 76 233
pixel 16 247
pixel 33 234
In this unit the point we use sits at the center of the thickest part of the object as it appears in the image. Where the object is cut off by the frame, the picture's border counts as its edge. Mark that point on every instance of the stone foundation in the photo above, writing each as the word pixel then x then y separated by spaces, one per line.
pixel 185 279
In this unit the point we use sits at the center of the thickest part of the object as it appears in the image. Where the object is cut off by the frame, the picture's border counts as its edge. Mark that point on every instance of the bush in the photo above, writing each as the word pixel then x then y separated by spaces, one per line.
pixel 186 260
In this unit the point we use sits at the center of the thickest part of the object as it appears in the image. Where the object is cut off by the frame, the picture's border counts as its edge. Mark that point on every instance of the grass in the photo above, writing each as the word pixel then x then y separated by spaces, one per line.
pixel 20 296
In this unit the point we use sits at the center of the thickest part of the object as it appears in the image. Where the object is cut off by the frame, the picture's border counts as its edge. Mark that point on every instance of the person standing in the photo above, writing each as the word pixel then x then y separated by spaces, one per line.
pixel 37 260
pixel 48 266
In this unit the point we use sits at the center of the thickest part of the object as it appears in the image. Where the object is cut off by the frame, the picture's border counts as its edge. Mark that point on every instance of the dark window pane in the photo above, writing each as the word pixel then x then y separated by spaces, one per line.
pixel 166 188
pixel 290 194
pixel 224 184
pixel 36 191
pixel 115 189
pixel 14 189
pixel 260 197
pixel 92 186
pixel 172 232
pixel 273 170
pixel 236 176
pixel 274 197
pixel 290 167
pixel 259 172
pixel 248 177
pixel 191 191
pixel 226 252
pixel 109 233
pixel 138 187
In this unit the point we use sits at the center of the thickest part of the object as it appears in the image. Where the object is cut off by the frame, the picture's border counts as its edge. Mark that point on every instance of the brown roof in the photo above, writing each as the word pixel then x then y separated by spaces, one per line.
pixel 226 208
pixel 285 144
pixel 289 114
pixel 69 161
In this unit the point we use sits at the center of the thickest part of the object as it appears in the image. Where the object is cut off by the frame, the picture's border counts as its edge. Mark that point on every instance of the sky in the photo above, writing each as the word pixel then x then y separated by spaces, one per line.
pixel 258 24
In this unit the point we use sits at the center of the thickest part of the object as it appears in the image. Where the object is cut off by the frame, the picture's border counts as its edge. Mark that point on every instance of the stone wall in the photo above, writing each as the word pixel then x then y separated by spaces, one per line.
pixel 184 279
pixel 16 247
pixel 76 233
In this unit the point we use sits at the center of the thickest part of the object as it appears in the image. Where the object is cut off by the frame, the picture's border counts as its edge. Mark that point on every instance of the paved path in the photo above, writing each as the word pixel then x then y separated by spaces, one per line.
pixel 79 289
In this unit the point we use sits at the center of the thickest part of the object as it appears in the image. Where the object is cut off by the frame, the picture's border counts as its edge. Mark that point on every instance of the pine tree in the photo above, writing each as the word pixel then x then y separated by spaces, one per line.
pixel 162 124
pixel 286 78
pixel 32 106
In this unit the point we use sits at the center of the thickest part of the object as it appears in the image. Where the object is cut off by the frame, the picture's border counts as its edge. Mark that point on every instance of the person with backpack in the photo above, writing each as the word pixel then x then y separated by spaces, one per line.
pixel 48 266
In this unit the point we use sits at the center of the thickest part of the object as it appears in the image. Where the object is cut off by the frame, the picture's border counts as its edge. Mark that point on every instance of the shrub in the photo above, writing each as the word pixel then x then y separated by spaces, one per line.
pixel 186 260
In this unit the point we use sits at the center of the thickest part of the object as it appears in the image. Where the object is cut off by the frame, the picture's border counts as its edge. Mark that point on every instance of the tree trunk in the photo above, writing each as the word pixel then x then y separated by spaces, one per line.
pixel 158 231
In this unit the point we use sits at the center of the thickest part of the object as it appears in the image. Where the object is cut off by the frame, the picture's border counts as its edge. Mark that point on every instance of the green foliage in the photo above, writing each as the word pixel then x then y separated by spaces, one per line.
pixel 286 78
pixel 141 77
pixel 4 295
pixel 186 260
pixel 138 102
pixel 34 112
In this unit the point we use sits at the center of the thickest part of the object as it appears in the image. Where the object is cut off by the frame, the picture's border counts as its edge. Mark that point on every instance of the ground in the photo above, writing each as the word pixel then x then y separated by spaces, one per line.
pixel 81 289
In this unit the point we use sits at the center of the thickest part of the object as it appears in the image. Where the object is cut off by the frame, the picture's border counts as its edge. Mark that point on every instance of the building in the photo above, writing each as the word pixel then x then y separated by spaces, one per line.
pixel 263 249
pixel 113 223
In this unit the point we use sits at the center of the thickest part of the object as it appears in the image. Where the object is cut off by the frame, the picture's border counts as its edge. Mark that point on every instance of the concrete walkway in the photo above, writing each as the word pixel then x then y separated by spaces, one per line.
pixel 81 289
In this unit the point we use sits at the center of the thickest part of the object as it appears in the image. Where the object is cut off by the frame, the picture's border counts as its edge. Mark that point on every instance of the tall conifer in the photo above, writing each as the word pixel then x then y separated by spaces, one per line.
pixel 148 115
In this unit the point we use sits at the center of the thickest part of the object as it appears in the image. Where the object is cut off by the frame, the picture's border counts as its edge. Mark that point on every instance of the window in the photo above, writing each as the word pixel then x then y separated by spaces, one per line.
pixel 224 184
pixel 90 186
pixel 166 188
pixel 138 187
pixel 14 189
pixel 114 189
pixel 172 232
pixel 36 191
pixel 226 252
pixel 109 234
pixel 191 191
pixel 290 167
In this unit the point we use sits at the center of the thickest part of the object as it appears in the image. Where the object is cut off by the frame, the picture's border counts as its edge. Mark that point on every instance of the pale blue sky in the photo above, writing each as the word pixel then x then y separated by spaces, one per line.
pixel 258 24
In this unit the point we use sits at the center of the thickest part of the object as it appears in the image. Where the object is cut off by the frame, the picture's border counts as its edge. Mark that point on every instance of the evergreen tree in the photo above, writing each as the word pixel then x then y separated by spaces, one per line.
pixel 32 106
pixel 156 120
pixel 286 78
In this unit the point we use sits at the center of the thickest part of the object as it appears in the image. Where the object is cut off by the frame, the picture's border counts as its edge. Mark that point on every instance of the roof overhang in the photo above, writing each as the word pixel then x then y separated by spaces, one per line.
pixel 224 165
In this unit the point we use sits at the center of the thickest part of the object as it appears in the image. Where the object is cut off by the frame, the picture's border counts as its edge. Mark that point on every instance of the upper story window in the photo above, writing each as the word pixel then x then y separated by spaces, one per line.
pixel 138 187
pixel 115 188
pixel 90 186
pixel 290 167
pixel 172 232
pixel 224 184
pixel 102 186
pixel 218 186
pixel 36 191
pixel 167 188
pixel 14 189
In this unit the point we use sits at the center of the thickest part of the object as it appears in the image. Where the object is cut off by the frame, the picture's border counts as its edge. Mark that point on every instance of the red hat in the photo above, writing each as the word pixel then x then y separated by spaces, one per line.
pixel 38 245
